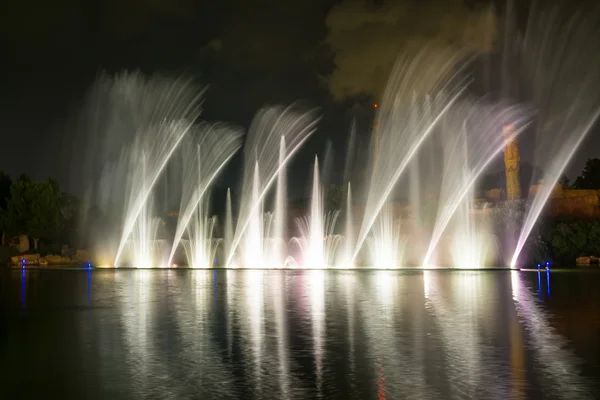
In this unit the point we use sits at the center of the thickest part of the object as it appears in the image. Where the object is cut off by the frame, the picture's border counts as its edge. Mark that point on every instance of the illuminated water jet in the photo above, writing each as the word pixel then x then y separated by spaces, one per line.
pixel 217 144
pixel 560 63
pixel 201 247
pixel 471 139
pixel 260 154
pixel 142 119
pixel 318 242
pixel 386 244
pixel 421 89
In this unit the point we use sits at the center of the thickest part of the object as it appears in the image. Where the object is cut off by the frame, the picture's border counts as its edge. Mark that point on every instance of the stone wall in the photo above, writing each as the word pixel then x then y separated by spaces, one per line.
pixel 563 203
pixel 575 203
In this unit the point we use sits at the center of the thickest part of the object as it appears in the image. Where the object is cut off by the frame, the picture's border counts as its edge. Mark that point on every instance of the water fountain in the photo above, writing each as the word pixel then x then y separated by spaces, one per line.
pixel 145 120
pixel 559 63
pixel 201 247
pixel 262 161
pixel 386 244
pixel 318 241
pixel 349 231
pixel 216 145
pixel 431 144
pixel 421 89
pixel 471 138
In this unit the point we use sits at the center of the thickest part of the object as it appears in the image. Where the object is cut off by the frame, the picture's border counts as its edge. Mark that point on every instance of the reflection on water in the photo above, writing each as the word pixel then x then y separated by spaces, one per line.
pixel 550 351
pixel 295 334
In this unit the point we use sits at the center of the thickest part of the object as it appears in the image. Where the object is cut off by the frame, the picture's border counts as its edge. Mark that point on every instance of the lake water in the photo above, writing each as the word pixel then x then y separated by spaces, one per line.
pixel 172 334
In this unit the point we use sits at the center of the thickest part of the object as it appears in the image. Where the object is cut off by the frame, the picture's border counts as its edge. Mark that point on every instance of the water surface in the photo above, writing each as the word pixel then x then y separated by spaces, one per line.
pixel 171 334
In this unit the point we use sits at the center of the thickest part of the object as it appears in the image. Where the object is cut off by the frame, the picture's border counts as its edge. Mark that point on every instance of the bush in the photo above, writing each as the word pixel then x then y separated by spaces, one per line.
pixel 569 240
pixel 559 241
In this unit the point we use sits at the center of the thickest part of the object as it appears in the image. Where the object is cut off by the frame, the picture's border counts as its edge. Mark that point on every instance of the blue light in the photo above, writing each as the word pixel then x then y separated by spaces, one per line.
pixel 548 280
pixel 539 265
pixel 547 263
pixel 215 284
pixel 539 286
pixel 89 287
pixel 23 288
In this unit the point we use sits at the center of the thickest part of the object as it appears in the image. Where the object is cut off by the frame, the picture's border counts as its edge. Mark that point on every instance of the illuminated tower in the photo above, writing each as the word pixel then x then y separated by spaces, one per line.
pixel 511 163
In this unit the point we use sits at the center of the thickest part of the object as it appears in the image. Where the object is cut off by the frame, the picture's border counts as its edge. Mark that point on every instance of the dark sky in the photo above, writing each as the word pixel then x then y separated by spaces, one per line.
pixel 251 52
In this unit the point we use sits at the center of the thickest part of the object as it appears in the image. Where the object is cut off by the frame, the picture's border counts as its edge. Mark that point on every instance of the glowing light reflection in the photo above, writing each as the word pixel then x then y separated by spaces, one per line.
pixel 316 281
pixel 552 353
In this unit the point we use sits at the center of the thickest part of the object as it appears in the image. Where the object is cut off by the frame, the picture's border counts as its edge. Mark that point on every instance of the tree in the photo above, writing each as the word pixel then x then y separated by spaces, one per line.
pixel 14 220
pixel 590 176
pixel 34 209
pixel 46 220
pixel 70 210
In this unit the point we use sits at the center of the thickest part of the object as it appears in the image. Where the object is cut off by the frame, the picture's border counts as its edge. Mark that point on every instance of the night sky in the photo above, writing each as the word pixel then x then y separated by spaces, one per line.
pixel 332 54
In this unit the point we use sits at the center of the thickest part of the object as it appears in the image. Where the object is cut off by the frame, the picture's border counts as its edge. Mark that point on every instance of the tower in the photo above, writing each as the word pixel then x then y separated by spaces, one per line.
pixel 511 163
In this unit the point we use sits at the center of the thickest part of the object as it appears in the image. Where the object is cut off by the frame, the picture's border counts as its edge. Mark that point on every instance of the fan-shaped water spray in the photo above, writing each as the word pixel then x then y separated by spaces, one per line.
pixel 559 62
pixel 471 137
pixel 421 89
pixel 148 118
pixel 386 245
pixel 260 154
pixel 200 246
pixel 216 145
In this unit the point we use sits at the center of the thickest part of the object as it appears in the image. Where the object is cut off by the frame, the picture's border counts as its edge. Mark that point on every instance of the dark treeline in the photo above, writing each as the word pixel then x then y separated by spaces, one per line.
pixel 39 210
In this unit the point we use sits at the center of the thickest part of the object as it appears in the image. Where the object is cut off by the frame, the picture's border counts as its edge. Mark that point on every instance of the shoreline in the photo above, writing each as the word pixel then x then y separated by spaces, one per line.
pixel 333 269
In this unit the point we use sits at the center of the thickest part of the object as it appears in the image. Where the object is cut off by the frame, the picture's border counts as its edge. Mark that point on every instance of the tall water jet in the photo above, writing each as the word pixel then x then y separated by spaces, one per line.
pixel 560 62
pixel 228 229
pixel 318 241
pixel 144 246
pixel 420 90
pixel 349 230
pixel 350 152
pixel 264 137
pixel 216 144
pixel 255 241
pixel 279 233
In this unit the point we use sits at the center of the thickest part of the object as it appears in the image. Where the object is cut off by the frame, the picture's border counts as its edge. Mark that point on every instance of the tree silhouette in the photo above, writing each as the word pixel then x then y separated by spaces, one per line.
pixel 590 176
pixel 34 209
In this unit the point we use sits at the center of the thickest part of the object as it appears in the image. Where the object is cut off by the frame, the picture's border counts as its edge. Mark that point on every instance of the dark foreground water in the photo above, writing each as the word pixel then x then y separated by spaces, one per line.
pixel 299 334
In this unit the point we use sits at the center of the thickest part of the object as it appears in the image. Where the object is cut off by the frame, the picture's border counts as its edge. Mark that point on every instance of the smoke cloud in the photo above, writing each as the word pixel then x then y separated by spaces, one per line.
pixel 367 39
